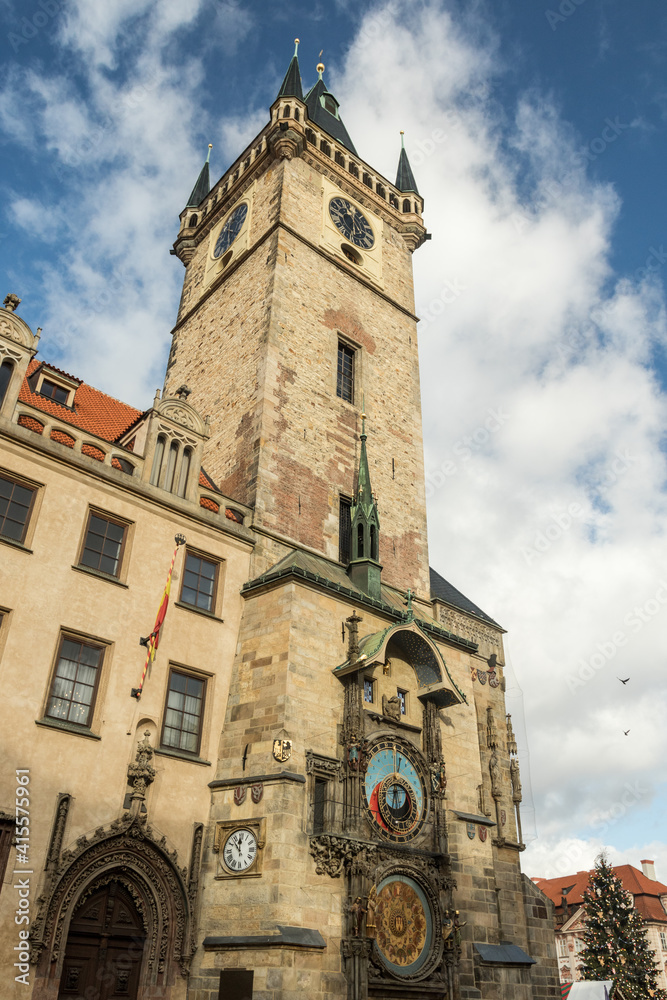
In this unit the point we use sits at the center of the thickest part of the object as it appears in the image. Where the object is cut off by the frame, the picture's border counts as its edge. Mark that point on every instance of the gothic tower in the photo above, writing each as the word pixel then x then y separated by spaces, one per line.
pixel 364 832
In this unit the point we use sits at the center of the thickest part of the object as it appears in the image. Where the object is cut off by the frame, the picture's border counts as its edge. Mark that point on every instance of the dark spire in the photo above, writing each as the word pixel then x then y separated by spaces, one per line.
pixel 203 185
pixel 405 179
pixel 365 569
pixel 323 111
pixel 291 86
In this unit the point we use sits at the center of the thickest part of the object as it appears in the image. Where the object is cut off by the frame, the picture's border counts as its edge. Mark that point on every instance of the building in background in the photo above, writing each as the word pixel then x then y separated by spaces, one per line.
pixel 566 893
pixel 315 789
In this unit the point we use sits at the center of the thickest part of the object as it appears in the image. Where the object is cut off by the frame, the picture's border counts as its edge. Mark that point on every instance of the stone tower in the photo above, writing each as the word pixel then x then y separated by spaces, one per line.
pixel 364 833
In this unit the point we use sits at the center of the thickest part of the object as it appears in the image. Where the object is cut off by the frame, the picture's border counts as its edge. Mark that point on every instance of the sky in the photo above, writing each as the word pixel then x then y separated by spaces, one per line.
pixel 537 135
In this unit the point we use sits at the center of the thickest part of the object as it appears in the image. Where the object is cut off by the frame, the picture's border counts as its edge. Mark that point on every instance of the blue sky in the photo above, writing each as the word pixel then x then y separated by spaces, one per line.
pixel 537 136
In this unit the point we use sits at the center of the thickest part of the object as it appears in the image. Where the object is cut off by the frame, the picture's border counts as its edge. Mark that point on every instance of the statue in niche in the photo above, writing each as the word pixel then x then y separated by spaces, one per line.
pixel 515 775
pixel 391 707
pixel 370 913
pixel 357 911
pixel 494 769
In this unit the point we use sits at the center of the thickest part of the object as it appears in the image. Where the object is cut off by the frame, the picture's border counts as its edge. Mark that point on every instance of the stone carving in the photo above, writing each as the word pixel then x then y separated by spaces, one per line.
pixel 126 852
pixel 371 907
pixel 318 764
pixel 335 855
pixel 357 911
pixel 467 628
pixel 11 302
pixel 141 773
pixel 358 752
pixel 353 637
pixel 180 412
pixel 491 732
pixel 511 739
pixel 448 930
pixel 58 831
pixel 285 144
pixel 515 775
pixel 16 329
pixel 239 795
pixel 391 707
pixel 494 770
pixel 256 792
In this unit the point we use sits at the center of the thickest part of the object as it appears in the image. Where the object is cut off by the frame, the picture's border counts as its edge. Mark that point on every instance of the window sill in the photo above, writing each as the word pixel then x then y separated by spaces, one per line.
pixel 14 544
pixel 198 611
pixel 181 755
pixel 67 727
pixel 100 575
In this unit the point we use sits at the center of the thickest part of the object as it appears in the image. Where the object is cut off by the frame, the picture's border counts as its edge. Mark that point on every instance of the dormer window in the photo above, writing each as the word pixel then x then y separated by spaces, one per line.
pixel 55 386
pixel 330 104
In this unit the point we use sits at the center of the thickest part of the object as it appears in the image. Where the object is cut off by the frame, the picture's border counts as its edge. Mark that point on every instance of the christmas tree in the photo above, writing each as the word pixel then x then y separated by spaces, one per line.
pixel 616 946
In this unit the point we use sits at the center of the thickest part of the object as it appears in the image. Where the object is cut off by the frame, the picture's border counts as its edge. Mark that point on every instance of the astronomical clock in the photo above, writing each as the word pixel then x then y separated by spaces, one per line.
pixel 388 836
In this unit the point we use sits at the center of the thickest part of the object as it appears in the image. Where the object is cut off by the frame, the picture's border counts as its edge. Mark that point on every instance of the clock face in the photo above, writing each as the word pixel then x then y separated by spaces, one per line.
pixel 404 925
pixel 230 230
pixel 351 222
pixel 394 790
pixel 240 851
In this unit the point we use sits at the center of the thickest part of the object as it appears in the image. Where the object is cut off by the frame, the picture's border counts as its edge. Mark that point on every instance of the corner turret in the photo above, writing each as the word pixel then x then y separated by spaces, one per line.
pixel 365 570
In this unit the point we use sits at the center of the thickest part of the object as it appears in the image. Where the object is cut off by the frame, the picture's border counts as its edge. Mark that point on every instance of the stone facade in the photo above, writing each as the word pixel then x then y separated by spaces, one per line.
pixel 349 826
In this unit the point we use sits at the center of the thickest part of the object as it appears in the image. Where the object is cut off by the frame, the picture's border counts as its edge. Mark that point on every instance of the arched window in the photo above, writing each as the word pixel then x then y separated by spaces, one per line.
pixel 354 169
pixel 325 147
pixel 310 136
pixel 185 472
pixel 329 104
pixel 157 460
pixel 286 111
pixel 360 541
pixel 374 543
pixel 296 114
pixel 367 180
pixel 6 370
pixel 171 466
pixel 407 207
pixel 379 188
pixel 193 221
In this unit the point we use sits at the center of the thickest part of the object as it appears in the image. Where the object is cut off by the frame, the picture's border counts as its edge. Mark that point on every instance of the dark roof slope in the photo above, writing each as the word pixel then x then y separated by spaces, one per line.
pixel 324 119
pixel 291 85
pixel 442 590
pixel 405 179
pixel 201 188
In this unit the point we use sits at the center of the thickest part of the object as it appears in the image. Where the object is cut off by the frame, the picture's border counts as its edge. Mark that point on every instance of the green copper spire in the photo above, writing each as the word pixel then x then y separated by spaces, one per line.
pixel 203 185
pixel 291 85
pixel 405 179
pixel 365 569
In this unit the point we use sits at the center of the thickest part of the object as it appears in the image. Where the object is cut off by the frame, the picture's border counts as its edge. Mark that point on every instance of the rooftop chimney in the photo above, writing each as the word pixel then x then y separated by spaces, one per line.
pixel 648 867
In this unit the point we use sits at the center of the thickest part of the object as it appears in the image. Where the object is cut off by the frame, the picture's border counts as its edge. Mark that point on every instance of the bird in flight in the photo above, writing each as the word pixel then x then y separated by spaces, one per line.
pixel 625 732
pixel 624 681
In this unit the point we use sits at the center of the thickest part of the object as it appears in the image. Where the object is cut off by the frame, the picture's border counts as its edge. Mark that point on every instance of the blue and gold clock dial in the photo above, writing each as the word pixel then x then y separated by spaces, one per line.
pixel 394 790
pixel 351 222
pixel 230 230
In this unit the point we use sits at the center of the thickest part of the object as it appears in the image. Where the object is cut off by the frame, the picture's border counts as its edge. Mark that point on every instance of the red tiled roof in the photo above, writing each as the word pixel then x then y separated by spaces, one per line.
pixel 93 410
pixel 206 481
pixel 646 891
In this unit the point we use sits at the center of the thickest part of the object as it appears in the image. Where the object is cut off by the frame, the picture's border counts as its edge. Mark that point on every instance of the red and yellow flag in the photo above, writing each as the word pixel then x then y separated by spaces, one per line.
pixel 152 641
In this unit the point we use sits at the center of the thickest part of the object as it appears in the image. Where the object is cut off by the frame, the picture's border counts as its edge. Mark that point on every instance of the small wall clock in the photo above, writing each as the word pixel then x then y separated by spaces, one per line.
pixel 240 850
pixel 239 846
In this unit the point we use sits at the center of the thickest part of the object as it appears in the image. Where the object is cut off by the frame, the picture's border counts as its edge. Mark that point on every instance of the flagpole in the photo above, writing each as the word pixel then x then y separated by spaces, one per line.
pixel 151 642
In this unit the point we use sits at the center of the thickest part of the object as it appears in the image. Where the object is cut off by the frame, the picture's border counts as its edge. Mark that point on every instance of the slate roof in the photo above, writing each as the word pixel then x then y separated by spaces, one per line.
pixel 93 411
pixel 324 119
pixel 646 891
pixel 405 179
pixel 201 188
pixel 291 85
pixel 442 590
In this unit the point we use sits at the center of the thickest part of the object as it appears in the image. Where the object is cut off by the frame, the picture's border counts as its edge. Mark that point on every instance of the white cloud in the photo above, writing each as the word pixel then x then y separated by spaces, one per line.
pixel 523 319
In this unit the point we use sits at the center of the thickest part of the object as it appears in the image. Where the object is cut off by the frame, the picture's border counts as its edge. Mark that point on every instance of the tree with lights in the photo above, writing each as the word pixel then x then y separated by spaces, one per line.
pixel 616 946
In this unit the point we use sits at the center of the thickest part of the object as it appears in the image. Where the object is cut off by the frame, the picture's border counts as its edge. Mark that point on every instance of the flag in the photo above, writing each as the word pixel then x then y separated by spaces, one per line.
pixel 152 641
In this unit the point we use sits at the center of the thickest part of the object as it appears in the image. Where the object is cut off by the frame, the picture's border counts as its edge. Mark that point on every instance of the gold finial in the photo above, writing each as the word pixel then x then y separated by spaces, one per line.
pixel 402 139
pixel 320 69
pixel 296 46
pixel 210 147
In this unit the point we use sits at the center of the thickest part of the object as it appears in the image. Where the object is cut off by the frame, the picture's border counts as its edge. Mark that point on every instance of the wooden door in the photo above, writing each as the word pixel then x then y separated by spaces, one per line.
pixel 104 948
